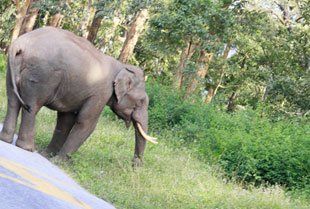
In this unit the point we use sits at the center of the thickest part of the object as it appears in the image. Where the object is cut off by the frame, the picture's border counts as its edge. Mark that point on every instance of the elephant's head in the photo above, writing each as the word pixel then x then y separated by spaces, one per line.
pixel 130 103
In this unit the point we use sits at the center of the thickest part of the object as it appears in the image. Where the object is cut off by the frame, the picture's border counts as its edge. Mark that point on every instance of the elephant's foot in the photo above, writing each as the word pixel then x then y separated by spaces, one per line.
pixel 63 155
pixel 60 160
pixel 6 138
pixel 47 153
pixel 52 150
pixel 137 162
pixel 25 145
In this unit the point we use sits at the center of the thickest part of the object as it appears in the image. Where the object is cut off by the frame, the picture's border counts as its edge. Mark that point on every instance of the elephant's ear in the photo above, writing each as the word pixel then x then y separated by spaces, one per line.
pixel 123 83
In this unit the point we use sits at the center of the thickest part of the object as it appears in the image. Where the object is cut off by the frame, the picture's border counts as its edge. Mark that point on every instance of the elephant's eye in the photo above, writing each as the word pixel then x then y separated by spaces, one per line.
pixel 129 85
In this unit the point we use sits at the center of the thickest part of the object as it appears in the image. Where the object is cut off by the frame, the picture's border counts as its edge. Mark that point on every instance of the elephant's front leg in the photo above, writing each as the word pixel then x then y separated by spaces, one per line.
pixel 26 133
pixel 84 125
pixel 65 122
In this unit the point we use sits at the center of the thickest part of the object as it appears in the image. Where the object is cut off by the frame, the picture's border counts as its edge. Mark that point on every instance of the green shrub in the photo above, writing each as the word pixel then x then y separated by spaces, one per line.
pixel 248 146
pixel 166 107
pixel 254 150
pixel 2 62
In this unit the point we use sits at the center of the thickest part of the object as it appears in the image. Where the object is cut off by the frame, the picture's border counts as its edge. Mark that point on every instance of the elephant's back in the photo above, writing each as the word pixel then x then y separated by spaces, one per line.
pixel 53 43
pixel 58 49
pixel 85 71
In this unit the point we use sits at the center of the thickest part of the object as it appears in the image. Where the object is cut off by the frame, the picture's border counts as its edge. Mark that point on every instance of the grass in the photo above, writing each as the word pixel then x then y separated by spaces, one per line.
pixel 171 178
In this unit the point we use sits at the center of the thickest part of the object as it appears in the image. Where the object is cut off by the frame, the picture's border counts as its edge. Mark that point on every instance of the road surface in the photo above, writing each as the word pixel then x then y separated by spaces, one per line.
pixel 30 181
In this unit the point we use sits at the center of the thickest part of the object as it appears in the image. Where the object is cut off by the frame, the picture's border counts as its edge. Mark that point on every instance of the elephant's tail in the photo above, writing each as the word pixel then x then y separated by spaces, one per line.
pixel 14 65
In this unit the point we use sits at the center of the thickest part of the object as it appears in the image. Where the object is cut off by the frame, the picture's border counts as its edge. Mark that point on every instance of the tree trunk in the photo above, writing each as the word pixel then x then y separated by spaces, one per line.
pixel 87 18
pixel 29 20
pixel 55 20
pixel 203 66
pixel 210 95
pixel 215 88
pixel 94 27
pixel 186 54
pixel 134 32
pixel 107 41
pixel 21 14
pixel 231 106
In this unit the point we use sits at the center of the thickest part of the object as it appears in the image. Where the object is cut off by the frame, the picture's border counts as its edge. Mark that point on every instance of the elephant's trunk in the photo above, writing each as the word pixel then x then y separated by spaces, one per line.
pixel 141 128
pixel 139 146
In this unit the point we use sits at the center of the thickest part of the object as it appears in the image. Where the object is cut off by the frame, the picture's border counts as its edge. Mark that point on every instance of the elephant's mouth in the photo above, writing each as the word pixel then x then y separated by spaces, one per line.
pixel 145 136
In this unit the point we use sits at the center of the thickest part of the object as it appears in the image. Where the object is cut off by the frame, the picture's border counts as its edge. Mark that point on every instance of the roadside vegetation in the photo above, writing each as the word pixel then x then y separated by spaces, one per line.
pixel 184 170
pixel 228 82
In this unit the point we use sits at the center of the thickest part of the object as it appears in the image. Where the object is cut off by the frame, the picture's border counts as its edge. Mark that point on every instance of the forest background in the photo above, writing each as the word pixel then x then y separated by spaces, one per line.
pixel 228 81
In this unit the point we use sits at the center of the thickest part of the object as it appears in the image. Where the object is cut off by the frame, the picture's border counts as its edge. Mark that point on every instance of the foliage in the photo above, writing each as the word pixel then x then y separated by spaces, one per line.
pixel 267 67
pixel 247 145
pixel 171 177
pixel 2 63
pixel 268 61
pixel 269 44
pixel 7 11
pixel 252 149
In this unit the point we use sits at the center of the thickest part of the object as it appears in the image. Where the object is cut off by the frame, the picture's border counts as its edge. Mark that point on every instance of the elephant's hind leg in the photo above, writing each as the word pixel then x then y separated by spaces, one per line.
pixel 12 112
pixel 65 122
pixel 10 120
pixel 26 132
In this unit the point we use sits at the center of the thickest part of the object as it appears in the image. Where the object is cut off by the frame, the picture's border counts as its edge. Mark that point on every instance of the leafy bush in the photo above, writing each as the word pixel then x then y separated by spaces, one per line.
pixel 247 145
pixel 252 149
pixel 166 107
pixel 2 62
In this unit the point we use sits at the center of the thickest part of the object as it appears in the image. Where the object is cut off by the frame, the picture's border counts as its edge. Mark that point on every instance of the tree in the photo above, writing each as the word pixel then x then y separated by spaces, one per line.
pixel 135 25
pixel 183 27
pixel 212 89
pixel 55 20
pixel 87 18
pixel 94 27
pixel 30 18
pixel 26 17
pixel 21 9
pixel 133 34
pixel 203 63
pixel 7 20
pixel 186 55
pixel 104 10
pixel 227 52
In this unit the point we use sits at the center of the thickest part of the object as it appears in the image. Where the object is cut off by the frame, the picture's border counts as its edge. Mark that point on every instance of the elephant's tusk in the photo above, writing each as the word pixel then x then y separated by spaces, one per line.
pixel 145 136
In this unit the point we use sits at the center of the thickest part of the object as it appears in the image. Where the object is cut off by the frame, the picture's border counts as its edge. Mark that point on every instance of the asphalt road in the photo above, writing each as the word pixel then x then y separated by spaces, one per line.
pixel 30 181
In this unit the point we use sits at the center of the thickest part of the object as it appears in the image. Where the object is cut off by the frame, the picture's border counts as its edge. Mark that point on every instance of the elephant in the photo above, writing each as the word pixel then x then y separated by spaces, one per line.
pixel 57 69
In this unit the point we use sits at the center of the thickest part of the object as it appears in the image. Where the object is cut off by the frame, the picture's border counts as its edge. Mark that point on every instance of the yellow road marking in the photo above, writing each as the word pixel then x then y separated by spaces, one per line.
pixel 37 183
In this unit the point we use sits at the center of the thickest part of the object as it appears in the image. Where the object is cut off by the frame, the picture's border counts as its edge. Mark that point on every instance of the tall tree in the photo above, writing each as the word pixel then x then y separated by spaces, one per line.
pixel 21 12
pixel 212 89
pixel 104 11
pixel 186 54
pixel 55 20
pixel 133 34
pixel 198 78
pixel 181 27
pixel 90 10
pixel 30 18
pixel 94 27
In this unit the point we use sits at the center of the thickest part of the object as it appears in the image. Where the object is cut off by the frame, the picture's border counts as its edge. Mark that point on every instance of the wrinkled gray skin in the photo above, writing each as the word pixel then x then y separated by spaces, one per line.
pixel 57 69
